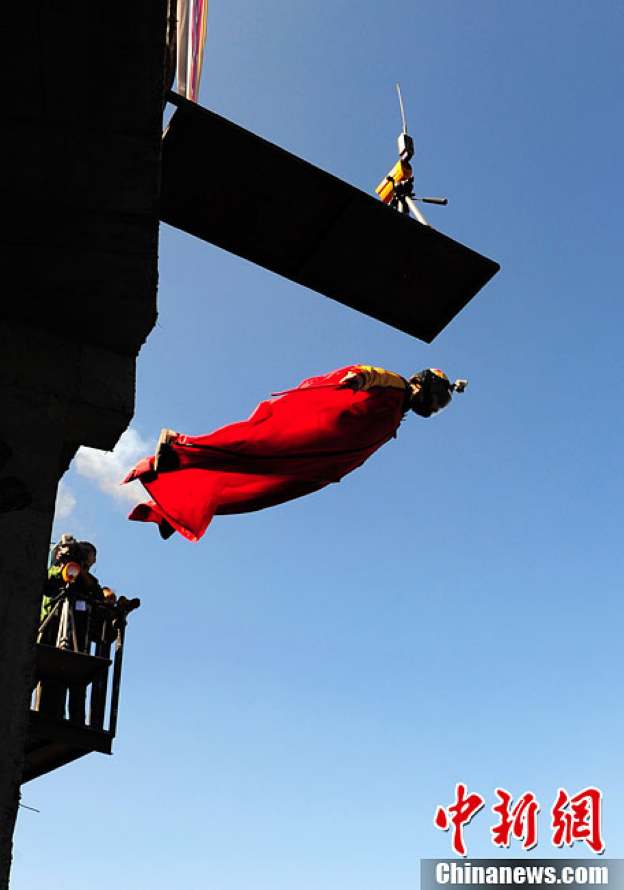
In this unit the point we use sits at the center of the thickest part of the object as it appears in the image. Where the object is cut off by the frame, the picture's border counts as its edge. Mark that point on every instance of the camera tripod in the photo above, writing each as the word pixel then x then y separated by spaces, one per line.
pixel 63 610
pixel 404 200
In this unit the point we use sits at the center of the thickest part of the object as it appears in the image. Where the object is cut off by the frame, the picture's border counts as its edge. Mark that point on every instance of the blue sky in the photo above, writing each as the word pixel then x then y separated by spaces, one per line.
pixel 305 685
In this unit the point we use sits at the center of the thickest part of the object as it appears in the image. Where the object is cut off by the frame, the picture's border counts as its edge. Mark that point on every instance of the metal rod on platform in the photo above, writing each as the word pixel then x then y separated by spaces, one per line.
pixel 403 120
pixel 99 687
pixel 56 608
pixel 67 638
pixel 413 206
pixel 116 684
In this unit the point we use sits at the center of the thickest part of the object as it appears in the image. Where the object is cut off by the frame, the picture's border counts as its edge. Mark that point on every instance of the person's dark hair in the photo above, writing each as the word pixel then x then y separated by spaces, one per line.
pixel 87 546
pixel 434 392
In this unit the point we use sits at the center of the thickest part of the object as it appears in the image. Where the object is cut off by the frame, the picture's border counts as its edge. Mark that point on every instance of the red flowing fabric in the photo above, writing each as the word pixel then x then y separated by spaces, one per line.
pixel 290 446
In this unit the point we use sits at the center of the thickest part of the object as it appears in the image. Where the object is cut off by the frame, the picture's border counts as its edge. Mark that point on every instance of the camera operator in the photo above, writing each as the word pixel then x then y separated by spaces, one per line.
pixel 85 592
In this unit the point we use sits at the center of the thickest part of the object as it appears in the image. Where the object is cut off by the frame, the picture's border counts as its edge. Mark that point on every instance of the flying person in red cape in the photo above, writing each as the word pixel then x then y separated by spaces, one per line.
pixel 293 444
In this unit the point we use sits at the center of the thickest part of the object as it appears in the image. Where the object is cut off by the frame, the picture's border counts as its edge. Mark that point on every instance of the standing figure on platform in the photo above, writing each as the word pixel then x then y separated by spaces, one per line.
pixel 293 444
pixel 83 591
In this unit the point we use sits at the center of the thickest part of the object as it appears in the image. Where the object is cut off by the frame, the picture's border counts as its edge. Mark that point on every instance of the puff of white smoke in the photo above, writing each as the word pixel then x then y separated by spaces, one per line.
pixel 107 468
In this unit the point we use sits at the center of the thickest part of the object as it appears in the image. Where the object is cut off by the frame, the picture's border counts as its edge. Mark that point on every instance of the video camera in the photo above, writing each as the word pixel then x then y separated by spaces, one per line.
pixel 67 550
pixel 126 606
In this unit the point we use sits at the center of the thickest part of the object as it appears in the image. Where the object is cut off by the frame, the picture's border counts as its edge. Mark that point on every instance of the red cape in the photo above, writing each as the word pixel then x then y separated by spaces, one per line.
pixel 291 445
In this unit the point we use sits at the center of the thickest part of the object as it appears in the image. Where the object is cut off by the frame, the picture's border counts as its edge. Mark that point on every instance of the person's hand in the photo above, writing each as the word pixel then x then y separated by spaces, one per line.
pixel 109 595
pixel 351 380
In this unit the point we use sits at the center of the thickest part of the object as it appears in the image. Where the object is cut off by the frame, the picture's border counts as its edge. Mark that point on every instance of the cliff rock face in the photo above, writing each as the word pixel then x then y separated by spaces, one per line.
pixel 79 185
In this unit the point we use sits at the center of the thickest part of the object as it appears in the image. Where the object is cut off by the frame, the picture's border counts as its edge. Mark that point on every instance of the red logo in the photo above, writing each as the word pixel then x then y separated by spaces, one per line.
pixel 573 819
pixel 577 819
pixel 458 814
pixel 519 821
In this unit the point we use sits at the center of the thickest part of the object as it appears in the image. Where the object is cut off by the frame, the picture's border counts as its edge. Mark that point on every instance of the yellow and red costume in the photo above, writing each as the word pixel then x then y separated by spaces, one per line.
pixel 293 444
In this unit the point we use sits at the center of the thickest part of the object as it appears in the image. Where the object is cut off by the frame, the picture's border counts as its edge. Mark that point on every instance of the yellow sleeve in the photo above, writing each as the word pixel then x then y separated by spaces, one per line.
pixel 371 376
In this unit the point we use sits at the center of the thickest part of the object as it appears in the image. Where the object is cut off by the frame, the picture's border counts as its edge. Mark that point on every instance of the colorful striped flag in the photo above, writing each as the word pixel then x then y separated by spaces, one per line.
pixel 192 16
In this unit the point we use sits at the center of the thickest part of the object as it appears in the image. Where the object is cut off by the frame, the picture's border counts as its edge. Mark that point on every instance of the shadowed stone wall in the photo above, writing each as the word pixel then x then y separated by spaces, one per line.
pixel 79 184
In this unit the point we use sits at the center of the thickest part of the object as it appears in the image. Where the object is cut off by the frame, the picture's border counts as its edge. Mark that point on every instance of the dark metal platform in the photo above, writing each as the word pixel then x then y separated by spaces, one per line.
pixel 74 667
pixel 53 743
pixel 61 674
pixel 231 188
